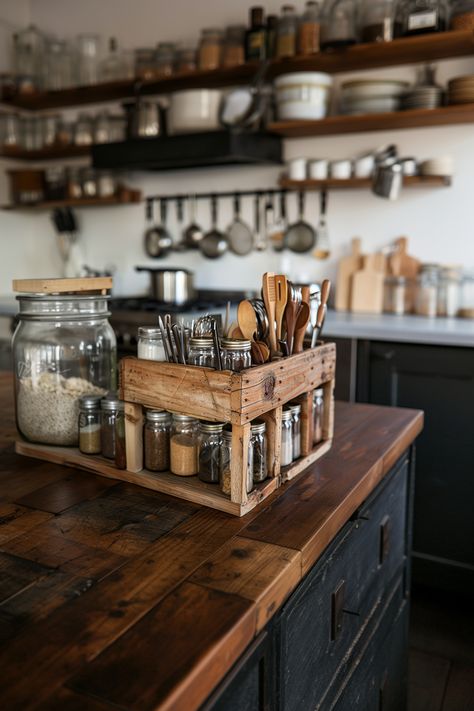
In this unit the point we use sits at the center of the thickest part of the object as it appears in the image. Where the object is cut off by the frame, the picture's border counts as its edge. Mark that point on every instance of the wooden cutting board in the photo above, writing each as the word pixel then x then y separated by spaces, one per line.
pixel 348 266
pixel 367 287
pixel 400 263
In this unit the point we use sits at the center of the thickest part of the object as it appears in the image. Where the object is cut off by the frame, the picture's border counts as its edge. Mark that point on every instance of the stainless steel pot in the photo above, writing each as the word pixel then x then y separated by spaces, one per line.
pixel 171 286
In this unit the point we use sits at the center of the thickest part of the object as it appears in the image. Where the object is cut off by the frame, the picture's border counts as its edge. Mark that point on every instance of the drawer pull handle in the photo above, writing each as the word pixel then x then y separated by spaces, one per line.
pixel 338 610
pixel 351 612
pixel 384 541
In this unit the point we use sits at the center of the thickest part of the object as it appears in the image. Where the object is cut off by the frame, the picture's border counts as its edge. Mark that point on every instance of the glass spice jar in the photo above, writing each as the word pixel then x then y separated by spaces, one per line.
pixel 202 352
pixel 184 446
pixel 111 406
pixel 318 409
pixel 210 442
pixel 286 32
pixel 145 63
pixel 286 438
pixel 449 291
pixel 233 54
pixel 150 344
pixel 156 437
pixel 236 355
pixel 210 49
pixel 226 458
pixel 308 31
pixel 165 59
pixel 427 291
pixel 186 59
pixel 258 443
pixel 89 424
pixel 295 410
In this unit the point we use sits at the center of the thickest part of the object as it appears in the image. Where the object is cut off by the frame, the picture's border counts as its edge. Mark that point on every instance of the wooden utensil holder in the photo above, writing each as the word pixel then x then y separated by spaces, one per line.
pixel 219 396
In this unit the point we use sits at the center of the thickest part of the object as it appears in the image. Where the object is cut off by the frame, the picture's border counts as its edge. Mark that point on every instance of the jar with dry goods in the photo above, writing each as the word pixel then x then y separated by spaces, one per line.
pixel 184 446
pixel 186 59
pixel 236 355
pixel 210 49
pixel 423 16
pixel 318 411
pixel 89 424
pixel 286 437
pixel 111 406
pixel 308 31
pixel 150 344
pixel 120 448
pixel 462 15
pixel 449 291
pixel 287 32
pixel 145 63
pixel 427 291
pixel 165 59
pixel 226 458
pixel 296 429
pixel 233 54
pixel 210 443
pixel 202 352
pixel 338 24
pixel 377 21
pixel 63 348
pixel 156 437
pixel 398 296
pixel 258 443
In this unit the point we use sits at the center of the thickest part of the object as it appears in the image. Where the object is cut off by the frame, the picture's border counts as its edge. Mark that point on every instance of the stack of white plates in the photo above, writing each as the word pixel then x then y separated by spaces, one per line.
pixel 422 97
pixel 367 96
pixel 461 90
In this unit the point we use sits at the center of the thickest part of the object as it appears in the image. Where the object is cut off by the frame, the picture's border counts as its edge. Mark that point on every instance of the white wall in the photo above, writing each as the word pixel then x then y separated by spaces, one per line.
pixel 438 222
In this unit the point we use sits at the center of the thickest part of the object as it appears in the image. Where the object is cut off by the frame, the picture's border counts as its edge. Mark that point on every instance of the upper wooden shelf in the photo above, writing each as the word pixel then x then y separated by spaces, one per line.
pixel 422 181
pixel 50 153
pixel 125 197
pixel 409 50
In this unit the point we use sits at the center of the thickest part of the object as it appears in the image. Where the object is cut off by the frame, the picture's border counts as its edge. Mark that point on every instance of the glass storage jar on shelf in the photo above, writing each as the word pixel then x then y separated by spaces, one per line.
pixel 318 411
pixel 309 29
pixel 210 49
pixel 226 458
pixel 110 407
pixel 210 443
pixel 88 56
pixel 295 410
pixel 202 352
pixel 286 32
pixel 28 58
pixel 233 54
pixel 185 59
pixel 338 24
pixel 449 291
pixel 184 445
pixel 156 436
pixel 145 63
pixel 466 309
pixel 89 424
pixel 378 22
pixel 150 344
pixel 462 15
pixel 58 66
pixel 286 438
pixel 258 443
pixel 423 16
pixel 165 54
pixel 84 130
pixel 236 355
pixel 10 130
pixel 63 348
pixel 426 302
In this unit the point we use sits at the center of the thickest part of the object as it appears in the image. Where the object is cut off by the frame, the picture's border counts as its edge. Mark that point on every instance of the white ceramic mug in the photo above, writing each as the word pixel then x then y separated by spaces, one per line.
pixel 364 166
pixel 318 169
pixel 341 169
pixel 297 169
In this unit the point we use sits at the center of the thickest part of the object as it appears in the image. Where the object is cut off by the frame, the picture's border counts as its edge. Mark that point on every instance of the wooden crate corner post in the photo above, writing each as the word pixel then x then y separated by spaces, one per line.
pixel 239 463
pixel 134 436
pixel 272 420
pixel 306 401
pixel 328 411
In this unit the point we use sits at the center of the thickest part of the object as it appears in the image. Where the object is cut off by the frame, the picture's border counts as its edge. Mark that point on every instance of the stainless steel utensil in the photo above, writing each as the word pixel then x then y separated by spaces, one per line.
pixel 158 241
pixel 214 243
pixel 239 233
pixel 194 233
pixel 245 106
pixel 260 238
pixel 171 286
pixel 300 236
pixel 323 249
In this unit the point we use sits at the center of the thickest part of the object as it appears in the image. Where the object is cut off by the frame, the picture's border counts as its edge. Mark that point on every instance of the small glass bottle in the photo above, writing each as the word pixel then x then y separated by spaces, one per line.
pixel 296 429
pixel 286 438
pixel 210 442
pixel 272 24
pixel 210 49
pixel 236 355
pixel 318 409
pixel 286 32
pixel 150 344
pixel 202 352
pixel 111 406
pixel 89 424
pixel 184 446
pixel 255 37
pixel 157 440
pixel 308 31
pixel 258 442
pixel 234 53
pixel 226 458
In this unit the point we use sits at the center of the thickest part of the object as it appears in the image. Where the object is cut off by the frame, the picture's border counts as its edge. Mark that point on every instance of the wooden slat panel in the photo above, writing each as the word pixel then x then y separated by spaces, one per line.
pixel 60 286
pixel 17 574
pixel 65 493
pixel 15 520
pixel 273 433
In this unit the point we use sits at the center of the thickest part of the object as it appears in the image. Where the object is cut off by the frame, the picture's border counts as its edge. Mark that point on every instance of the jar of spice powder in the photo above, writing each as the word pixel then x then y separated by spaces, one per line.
pixel 150 344
pixel 258 442
pixel 210 49
pixel 234 51
pixel 286 438
pixel 184 446
pixel 89 424
pixel 308 30
pixel 286 32
pixel 226 457
pixel 210 442
pixel 111 406
pixel 295 409
pixel 318 408
pixel 157 440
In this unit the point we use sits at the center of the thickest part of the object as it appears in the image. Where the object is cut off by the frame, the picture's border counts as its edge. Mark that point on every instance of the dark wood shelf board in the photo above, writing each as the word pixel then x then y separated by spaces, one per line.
pixel 54 153
pixel 395 120
pixel 409 50
pixel 134 199
pixel 422 181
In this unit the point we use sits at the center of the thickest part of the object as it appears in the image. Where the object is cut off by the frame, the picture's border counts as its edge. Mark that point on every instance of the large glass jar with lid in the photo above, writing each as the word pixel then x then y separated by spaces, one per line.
pixel 210 49
pixel 426 302
pixel 28 58
pixel 422 16
pixel 184 445
pixel 210 443
pixel 377 21
pixel 202 352
pixel 236 354
pixel 63 348
pixel 338 24
pixel 462 15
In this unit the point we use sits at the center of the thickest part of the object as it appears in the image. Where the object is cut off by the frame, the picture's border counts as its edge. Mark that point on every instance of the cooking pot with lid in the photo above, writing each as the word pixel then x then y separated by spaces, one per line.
pixel 171 286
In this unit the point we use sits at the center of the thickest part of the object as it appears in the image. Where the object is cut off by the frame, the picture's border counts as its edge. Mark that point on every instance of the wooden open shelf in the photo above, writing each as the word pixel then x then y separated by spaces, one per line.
pixel 53 153
pixel 409 50
pixel 131 197
pixel 422 181
pixel 395 120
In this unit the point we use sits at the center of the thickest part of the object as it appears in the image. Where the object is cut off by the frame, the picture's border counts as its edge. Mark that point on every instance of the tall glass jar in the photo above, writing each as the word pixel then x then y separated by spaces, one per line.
pixel 58 65
pixel 287 32
pixel 296 429
pixel 110 406
pixel 449 291
pixel 88 56
pixel 308 31
pixel 258 442
pixel 165 56
pixel 202 352
pixel 63 348
pixel 89 424
pixel 318 410
pixel 338 24
pixel 184 446
pixel 236 354
pixel 210 49
pixel 234 50
pixel 28 58
pixel 156 437
pixel 210 443
pixel 226 458
pixel 286 438
pixel 427 291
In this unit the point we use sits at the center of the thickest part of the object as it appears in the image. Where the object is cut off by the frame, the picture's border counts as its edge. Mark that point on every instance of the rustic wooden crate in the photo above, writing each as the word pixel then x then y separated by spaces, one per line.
pixel 220 396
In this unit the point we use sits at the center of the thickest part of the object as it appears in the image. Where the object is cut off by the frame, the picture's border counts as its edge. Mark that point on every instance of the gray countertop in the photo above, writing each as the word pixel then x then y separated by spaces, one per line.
pixel 406 329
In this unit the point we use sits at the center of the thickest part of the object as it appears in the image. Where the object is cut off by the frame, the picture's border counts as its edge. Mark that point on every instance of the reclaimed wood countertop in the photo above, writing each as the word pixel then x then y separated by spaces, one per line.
pixel 113 596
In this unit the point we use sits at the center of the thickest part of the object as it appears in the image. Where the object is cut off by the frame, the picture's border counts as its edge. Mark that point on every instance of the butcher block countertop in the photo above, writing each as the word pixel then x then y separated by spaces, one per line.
pixel 113 596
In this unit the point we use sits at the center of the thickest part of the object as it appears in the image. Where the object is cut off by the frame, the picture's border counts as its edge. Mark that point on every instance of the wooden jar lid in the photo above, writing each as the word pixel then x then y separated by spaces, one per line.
pixel 62 286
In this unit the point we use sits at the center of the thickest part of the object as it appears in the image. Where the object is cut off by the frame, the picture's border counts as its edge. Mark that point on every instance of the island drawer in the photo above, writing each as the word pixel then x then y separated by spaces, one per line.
pixel 336 602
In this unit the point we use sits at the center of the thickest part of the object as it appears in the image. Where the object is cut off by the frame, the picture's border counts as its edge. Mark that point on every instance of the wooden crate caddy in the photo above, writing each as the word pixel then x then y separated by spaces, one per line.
pixel 219 396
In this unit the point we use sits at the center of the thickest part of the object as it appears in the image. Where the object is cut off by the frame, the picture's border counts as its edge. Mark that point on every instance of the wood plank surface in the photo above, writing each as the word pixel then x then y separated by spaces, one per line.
pixel 118 596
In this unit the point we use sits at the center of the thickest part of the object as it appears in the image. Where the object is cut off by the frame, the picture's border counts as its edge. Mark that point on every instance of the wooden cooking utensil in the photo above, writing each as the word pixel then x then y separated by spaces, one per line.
pixel 291 313
pixel 321 315
pixel 325 291
pixel 281 285
pixel 247 320
pixel 257 356
pixel 300 327
pixel 305 295
pixel 235 332
pixel 264 350
pixel 367 288
pixel 269 299
pixel 348 266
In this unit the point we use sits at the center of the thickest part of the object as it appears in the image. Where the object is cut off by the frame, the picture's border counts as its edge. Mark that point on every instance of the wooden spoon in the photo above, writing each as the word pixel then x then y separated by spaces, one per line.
pixel 257 356
pixel 291 313
pixel 264 350
pixel 247 320
pixel 300 327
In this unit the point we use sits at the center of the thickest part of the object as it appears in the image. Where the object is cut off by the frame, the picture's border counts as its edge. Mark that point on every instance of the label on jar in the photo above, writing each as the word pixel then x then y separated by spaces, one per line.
pixel 423 20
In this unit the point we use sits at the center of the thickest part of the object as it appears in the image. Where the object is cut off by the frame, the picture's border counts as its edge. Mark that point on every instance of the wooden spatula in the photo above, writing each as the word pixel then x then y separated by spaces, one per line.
pixel 281 286
pixel 291 313
pixel 300 328
pixel 269 299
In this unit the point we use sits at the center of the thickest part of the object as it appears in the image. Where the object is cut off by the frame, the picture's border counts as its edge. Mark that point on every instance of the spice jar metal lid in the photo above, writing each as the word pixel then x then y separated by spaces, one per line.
pixel 227 435
pixel 111 403
pixel 318 393
pixel 211 426
pixel 235 344
pixel 287 415
pixel 201 342
pixel 90 402
pixel 295 409
pixel 258 427
pixel 158 416
pixel 150 333
pixel 183 418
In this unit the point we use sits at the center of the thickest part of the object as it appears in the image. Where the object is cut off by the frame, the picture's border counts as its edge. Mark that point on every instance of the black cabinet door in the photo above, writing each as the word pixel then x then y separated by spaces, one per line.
pixel 440 381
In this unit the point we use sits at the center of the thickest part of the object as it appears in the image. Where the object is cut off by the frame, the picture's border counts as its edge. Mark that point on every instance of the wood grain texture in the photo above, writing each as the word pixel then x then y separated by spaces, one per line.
pixel 134 436
pixel 62 286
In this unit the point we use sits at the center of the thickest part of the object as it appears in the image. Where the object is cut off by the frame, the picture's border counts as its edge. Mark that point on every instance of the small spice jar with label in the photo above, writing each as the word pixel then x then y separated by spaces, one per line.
pixel 184 446
pixel 226 457
pixel 202 352
pixel 308 30
pixel 286 437
pixel 210 49
pixel 210 443
pixel 111 407
pixel 234 51
pixel 286 32
pixel 236 355
pixel 295 409
pixel 157 440
pixel 150 344
pixel 89 424
pixel 318 409
pixel 258 443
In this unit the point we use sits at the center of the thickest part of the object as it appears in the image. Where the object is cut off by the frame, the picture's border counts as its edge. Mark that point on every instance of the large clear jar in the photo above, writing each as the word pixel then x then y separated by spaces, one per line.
pixel 286 438
pixel 308 30
pixel 210 49
pixel 426 303
pixel 338 24
pixel 63 348
pixel 88 56
pixel 202 352
pixel 210 443
pixel 398 296
pixel 28 58
pixel 296 429
pixel 236 354
pixel 184 446
pixel 462 15
pixel 377 21
pixel 111 407
pixel 156 438
pixel 318 410
pixel 258 443
pixel 449 291
pixel 58 65
pixel 286 32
